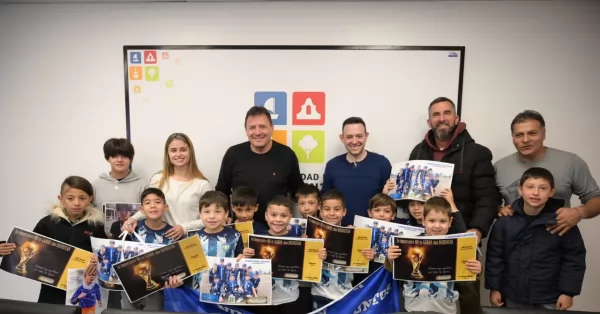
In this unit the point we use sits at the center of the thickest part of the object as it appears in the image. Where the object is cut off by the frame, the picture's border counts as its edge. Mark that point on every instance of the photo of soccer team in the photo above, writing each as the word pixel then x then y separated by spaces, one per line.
pixel 297 226
pixel 420 179
pixel 243 282
pixel 116 214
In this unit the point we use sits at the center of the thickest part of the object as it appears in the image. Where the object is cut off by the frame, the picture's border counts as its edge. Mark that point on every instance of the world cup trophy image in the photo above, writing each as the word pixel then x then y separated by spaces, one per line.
pixel 267 252
pixel 416 255
pixel 319 234
pixel 28 249
pixel 145 271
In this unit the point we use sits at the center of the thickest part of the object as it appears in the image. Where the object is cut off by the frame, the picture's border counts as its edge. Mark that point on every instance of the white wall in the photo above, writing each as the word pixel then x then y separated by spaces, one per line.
pixel 62 90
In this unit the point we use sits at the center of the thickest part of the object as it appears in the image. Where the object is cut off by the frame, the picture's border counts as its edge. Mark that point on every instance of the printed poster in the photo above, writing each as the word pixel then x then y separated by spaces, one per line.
pixel 297 226
pixel 115 214
pixel 42 259
pixel 83 290
pixel 146 274
pixel 292 258
pixel 435 258
pixel 420 179
pixel 240 283
pixel 343 244
pixel 111 252
pixel 381 233
pixel 245 228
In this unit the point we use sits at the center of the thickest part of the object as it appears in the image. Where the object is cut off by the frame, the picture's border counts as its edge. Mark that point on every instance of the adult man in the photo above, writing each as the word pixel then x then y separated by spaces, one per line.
pixel 571 173
pixel 358 174
pixel 261 163
pixel 473 181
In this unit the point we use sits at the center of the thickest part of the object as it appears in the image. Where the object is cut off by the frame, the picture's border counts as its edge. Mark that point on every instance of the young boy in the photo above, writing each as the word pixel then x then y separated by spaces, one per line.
pixel 217 240
pixel 244 202
pixel 152 230
pixel 333 284
pixel 437 220
pixel 119 185
pixel 415 209
pixel 382 207
pixel 307 197
pixel 527 266
pixel 88 295
pixel 287 298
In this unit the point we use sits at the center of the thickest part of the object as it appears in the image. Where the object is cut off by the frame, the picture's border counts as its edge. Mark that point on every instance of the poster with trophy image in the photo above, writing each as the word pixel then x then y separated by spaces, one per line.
pixel 382 232
pixel 240 283
pixel 292 258
pixel 435 258
pixel 83 290
pixel 344 245
pixel 113 251
pixel 245 228
pixel 147 273
pixel 42 259
pixel 420 179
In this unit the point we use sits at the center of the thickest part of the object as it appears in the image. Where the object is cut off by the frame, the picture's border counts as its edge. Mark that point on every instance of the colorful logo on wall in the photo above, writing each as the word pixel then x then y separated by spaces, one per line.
pixel 307 110
pixel 145 68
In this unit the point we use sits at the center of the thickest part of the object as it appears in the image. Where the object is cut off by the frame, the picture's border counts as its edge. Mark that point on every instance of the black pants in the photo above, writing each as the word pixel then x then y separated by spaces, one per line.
pixel 469 296
pixel 114 300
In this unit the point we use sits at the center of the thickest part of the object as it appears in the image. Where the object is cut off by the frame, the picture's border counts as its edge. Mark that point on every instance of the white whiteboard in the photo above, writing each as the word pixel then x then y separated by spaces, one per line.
pixel 206 91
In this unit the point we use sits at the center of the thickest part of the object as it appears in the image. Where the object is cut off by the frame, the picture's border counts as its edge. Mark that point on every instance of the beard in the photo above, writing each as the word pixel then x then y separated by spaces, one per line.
pixel 444 135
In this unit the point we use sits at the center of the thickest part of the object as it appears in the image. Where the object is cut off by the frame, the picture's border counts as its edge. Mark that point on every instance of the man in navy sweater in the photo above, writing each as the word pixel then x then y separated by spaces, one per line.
pixel 358 174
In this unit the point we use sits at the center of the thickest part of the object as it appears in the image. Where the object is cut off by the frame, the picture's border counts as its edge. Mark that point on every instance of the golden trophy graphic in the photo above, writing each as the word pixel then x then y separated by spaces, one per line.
pixel 267 252
pixel 28 249
pixel 145 271
pixel 416 255
pixel 319 234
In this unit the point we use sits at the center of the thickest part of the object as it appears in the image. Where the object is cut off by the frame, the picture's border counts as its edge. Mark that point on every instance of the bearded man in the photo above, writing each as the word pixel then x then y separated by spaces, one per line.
pixel 473 182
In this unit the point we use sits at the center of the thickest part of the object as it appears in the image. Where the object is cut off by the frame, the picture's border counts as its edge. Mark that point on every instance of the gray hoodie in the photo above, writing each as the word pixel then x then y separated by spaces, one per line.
pixel 109 190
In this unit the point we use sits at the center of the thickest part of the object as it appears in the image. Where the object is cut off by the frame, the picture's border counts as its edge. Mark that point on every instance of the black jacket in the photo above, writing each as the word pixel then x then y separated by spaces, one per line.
pixel 528 264
pixel 57 226
pixel 473 182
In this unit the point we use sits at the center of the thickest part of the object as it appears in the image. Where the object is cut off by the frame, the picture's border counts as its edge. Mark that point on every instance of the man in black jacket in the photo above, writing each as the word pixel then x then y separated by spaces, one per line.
pixel 473 182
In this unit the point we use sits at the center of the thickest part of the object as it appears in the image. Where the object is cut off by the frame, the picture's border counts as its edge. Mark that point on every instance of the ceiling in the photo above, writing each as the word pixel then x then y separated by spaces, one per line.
pixel 139 1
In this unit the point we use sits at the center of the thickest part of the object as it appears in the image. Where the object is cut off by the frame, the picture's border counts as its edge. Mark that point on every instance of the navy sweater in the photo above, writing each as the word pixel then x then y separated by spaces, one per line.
pixel 358 182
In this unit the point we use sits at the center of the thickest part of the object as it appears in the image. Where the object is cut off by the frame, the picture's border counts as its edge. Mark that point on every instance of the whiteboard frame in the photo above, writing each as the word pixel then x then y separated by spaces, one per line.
pixel 126 49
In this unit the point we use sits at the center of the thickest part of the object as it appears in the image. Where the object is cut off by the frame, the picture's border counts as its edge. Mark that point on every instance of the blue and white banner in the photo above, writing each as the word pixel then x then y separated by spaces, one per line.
pixel 378 293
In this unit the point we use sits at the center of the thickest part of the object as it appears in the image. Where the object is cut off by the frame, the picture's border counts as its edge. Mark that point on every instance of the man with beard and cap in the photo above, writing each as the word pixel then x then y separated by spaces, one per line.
pixel 571 173
pixel 358 174
pixel 473 181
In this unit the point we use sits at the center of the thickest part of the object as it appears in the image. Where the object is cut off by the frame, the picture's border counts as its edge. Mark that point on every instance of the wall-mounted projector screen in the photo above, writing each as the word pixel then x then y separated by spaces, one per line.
pixel 205 91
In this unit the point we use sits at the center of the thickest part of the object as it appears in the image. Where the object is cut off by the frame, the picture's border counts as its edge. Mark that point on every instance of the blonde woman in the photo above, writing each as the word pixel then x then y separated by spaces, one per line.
pixel 183 184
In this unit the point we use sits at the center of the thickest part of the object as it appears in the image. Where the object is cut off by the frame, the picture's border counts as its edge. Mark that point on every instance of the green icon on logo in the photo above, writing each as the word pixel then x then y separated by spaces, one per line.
pixel 309 146
pixel 169 83
pixel 152 73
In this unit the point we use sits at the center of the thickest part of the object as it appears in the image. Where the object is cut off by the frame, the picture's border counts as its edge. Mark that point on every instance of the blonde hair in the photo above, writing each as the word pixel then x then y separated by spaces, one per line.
pixel 168 168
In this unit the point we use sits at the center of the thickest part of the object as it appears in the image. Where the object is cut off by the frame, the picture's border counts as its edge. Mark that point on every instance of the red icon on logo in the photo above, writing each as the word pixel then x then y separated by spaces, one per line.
pixel 308 108
pixel 165 55
pixel 150 57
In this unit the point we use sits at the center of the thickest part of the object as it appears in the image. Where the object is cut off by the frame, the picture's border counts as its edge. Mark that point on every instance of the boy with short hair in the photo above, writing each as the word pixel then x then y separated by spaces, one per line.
pixel 244 203
pixel 152 230
pixel 527 266
pixel 119 185
pixel 333 284
pixel 437 220
pixel 287 297
pixel 308 203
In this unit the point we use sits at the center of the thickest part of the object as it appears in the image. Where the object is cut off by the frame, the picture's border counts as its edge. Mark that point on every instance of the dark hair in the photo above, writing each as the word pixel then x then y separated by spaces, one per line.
pixel 381 199
pixel 258 111
pixel 281 200
pixel 79 183
pixel 123 206
pixel 244 196
pixel 118 147
pixel 354 120
pixel 153 191
pixel 527 115
pixel 333 195
pixel 437 204
pixel 307 190
pixel 537 173
pixel 439 100
pixel 214 197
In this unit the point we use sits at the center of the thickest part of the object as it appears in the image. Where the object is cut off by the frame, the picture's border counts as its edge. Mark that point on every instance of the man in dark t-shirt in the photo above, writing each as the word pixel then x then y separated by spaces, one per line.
pixel 268 167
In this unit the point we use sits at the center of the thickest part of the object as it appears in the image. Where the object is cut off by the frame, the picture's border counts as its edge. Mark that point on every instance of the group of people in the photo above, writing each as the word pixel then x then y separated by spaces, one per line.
pixel 255 174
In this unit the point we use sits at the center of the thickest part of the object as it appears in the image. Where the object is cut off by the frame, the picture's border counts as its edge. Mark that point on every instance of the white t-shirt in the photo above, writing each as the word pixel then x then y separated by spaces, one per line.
pixel 435 296
pixel 334 285
pixel 183 199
